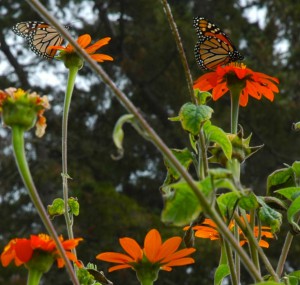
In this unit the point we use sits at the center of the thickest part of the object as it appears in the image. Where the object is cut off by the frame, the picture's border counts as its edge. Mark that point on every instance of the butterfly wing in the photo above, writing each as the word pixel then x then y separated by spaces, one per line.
pixel 39 36
pixel 42 39
pixel 214 47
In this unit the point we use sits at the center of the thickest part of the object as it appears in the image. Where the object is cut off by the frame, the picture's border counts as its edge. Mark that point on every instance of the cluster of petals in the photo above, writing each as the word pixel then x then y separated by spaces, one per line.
pixel 84 41
pixel 256 84
pixel 20 250
pixel 208 229
pixel 165 254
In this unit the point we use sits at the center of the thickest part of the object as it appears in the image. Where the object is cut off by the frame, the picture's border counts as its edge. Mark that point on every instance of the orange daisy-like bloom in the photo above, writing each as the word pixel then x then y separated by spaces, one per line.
pixel 21 250
pixel 208 229
pixel 11 98
pixel 256 84
pixel 164 255
pixel 84 41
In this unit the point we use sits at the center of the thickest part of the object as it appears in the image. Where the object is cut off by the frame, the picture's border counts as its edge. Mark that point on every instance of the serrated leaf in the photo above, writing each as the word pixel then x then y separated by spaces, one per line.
pixel 221 272
pixel 73 206
pixel 193 116
pixel 217 135
pixel 57 208
pixel 281 178
pixel 291 193
pixel 269 216
pixel 293 209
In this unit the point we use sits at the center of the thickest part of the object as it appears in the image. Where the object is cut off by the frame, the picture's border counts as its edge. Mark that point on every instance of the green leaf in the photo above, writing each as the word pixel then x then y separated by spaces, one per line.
pixel 290 193
pixel 281 178
pixel 296 168
pixel 57 208
pixel 221 272
pixel 217 135
pixel 73 206
pixel 269 216
pixel 293 209
pixel 269 283
pixel 185 158
pixel 118 133
pixel 220 172
pixel 227 203
pixel 248 202
pixel 201 96
pixel 193 116
pixel 181 204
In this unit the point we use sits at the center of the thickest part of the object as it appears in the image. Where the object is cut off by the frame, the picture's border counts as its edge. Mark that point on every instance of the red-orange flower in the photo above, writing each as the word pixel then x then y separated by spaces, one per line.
pixel 256 84
pixel 208 229
pixel 21 250
pixel 84 41
pixel 164 255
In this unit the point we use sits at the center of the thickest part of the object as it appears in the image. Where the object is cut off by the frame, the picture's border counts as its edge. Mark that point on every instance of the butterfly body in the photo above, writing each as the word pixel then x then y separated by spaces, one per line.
pixel 39 36
pixel 214 47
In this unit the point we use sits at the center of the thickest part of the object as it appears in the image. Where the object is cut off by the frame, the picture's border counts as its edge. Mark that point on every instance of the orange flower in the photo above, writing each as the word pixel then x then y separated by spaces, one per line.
pixel 208 229
pixel 164 255
pixel 256 84
pixel 21 250
pixel 84 41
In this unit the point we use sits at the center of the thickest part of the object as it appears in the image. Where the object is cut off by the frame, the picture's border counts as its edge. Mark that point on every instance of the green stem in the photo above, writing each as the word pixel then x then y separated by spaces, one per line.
pixel 19 152
pixel 202 161
pixel 253 249
pixel 245 227
pixel 235 100
pixel 285 250
pixel 68 96
pixel 34 277
pixel 230 262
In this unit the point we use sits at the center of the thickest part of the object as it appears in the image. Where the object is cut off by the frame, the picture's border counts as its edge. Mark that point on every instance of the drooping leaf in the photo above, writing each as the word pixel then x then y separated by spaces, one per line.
pixel 227 202
pixel 248 202
pixel 292 211
pixel 291 193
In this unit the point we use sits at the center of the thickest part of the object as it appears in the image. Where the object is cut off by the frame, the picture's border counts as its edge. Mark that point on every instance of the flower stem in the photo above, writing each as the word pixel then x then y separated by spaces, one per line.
pixel 68 96
pixel 285 250
pixel 19 152
pixel 34 277
pixel 230 262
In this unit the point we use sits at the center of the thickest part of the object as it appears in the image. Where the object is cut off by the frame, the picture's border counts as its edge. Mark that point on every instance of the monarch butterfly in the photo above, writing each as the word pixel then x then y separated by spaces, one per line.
pixel 214 47
pixel 39 36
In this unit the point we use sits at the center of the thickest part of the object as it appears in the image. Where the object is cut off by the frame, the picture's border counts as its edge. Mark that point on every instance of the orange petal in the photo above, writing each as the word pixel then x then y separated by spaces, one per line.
pixel 118 267
pixel 152 245
pixel 97 45
pixel 181 261
pixel 219 91
pixel 101 57
pixel 244 98
pixel 23 250
pixel 114 257
pixel 84 40
pixel 179 254
pixel 169 247
pixel 132 248
pixel 71 243
pixel 263 243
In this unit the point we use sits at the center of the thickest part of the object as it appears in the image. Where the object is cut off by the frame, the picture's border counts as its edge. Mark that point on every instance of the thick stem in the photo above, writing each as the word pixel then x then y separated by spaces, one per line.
pixel 34 277
pixel 69 91
pixel 19 152
pixel 230 262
